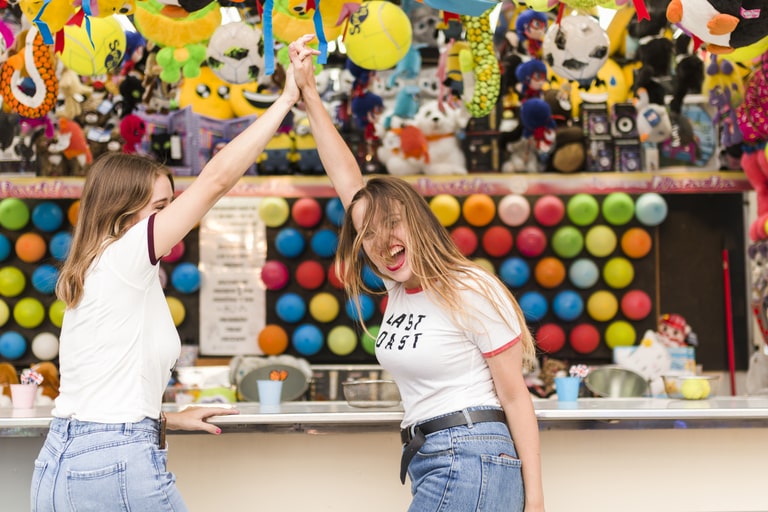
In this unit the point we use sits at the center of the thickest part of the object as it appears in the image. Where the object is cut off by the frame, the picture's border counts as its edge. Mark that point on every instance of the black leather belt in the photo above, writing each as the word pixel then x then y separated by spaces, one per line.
pixel 413 437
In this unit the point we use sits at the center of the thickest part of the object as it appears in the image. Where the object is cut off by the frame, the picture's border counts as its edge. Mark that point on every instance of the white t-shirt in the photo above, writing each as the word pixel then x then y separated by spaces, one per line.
pixel 440 367
pixel 119 344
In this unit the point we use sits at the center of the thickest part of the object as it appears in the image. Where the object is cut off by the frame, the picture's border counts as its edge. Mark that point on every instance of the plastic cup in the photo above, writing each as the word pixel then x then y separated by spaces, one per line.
pixel 23 395
pixel 270 392
pixel 567 388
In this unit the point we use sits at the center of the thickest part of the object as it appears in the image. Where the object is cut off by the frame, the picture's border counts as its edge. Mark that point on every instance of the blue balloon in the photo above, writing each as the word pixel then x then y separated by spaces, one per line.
pixel 44 278
pixel 334 210
pixel 583 273
pixel 371 280
pixel 307 339
pixel 47 216
pixel 324 243
pixel 366 305
pixel 59 245
pixel 5 247
pixel 289 242
pixel 12 345
pixel 651 209
pixel 185 277
pixel 514 272
pixel 534 306
pixel 290 307
pixel 568 305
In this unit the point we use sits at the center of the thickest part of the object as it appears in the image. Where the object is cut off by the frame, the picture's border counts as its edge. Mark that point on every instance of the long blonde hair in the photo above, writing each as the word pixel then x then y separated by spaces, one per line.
pixel 118 186
pixel 432 254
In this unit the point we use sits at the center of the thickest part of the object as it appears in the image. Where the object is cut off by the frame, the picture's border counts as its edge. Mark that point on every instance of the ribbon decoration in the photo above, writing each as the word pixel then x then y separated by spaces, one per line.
pixel 322 41
pixel 269 38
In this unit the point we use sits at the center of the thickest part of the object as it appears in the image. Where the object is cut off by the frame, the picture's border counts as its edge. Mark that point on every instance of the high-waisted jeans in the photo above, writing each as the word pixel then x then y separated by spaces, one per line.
pixel 99 467
pixel 466 469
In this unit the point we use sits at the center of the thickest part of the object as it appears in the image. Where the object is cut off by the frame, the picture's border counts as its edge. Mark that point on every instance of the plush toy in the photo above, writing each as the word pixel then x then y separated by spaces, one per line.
pixel 674 331
pixel 441 127
pixel 73 93
pixel 724 88
pixel 405 107
pixel 403 151
pixel 77 152
pixel 483 91
pixel 538 125
pixel 653 122
pixel 544 386
pixel 689 73
pixel 131 91
pixel 49 18
pixel 531 79
pixel 8 376
pixel 530 27
pixel 180 34
pixel 307 158
pixel 36 60
pixel 366 109
pixel 722 24
pixel 132 130
pixel 50 385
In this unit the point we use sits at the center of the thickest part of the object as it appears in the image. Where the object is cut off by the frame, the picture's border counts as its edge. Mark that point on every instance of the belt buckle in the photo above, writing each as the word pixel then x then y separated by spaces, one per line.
pixel 410 431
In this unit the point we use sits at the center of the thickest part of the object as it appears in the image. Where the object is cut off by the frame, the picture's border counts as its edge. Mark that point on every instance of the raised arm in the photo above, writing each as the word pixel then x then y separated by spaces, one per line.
pixel 223 171
pixel 339 162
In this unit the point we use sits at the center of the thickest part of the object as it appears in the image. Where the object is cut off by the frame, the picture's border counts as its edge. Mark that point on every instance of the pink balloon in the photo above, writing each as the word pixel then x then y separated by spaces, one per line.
pixel 549 210
pixel 531 241
pixel 513 210
pixel 274 274
pixel 636 305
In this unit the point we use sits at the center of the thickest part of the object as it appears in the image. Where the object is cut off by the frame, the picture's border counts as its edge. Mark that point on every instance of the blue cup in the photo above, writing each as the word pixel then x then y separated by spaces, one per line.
pixel 567 388
pixel 270 392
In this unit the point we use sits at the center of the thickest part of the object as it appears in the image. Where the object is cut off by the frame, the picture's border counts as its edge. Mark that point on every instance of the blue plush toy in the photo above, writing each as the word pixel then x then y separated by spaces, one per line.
pixel 536 116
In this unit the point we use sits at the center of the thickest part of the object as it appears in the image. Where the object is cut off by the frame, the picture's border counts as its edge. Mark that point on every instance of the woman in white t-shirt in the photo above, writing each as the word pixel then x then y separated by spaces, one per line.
pixel 106 449
pixel 452 336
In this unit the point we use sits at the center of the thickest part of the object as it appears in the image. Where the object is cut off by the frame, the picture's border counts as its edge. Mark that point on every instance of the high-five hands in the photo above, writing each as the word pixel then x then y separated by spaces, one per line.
pixel 298 51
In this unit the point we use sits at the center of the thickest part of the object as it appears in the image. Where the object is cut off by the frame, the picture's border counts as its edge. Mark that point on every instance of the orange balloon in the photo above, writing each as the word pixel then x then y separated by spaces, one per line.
pixel 273 340
pixel 479 209
pixel 549 272
pixel 30 247
pixel 73 211
pixel 636 243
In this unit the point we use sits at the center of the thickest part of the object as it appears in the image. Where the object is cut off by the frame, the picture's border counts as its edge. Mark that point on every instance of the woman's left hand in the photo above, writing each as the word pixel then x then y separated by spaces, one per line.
pixel 193 418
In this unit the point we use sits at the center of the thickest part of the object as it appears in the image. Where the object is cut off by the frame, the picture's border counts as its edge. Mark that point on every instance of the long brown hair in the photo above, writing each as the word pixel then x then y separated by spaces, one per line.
pixel 432 254
pixel 118 186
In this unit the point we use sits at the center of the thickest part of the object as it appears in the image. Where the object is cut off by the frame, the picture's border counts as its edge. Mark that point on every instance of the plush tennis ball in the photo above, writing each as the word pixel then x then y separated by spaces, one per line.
pixel 107 52
pixel 379 34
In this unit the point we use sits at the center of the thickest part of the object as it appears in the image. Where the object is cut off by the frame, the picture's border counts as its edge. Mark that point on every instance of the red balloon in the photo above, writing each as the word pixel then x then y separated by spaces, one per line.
pixel 306 212
pixel 465 239
pixel 549 210
pixel 497 241
pixel 550 338
pixel 333 278
pixel 383 304
pixel 531 241
pixel 177 251
pixel 310 275
pixel 636 305
pixel 274 274
pixel 584 338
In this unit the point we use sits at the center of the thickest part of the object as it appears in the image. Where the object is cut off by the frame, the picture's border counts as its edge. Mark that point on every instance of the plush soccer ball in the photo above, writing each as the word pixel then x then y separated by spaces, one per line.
pixel 236 53
pixel 576 49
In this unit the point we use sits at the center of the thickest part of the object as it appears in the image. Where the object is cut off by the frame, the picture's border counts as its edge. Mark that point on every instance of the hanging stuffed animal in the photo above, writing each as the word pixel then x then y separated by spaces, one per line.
pixel 484 89
pixel 36 62
pixel 723 25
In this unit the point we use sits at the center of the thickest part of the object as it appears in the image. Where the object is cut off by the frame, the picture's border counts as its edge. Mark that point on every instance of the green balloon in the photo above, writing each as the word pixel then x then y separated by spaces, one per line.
pixel 600 241
pixel 29 312
pixel 56 312
pixel 567 242
pixel 12 281
pixel 368 341
pixel 582 209
pixel 342 340
pixel 618 272
pixel 274 211
pixel 620 334
pixel 14 213
pixel 618 208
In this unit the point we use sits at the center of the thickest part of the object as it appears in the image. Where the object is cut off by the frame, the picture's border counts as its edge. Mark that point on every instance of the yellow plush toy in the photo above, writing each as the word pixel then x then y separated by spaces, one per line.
pixel 207 95
pixel 181 35
pixel 49 16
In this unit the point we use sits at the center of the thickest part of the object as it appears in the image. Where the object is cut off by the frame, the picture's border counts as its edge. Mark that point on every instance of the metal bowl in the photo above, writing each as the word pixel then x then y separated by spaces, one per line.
pixel 691 387
pixel 613 382
pixel 371 393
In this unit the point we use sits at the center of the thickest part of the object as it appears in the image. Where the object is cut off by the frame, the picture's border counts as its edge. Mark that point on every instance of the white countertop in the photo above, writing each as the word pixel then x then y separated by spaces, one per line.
pixel 549 412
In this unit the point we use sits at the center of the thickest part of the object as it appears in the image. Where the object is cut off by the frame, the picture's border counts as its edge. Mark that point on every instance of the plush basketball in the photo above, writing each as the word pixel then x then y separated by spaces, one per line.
pixel 105 55
pixel 379 34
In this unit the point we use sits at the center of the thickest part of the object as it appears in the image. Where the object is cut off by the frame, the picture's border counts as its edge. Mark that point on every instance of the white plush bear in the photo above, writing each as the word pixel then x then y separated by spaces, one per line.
pixel 441 127
pixel 391 155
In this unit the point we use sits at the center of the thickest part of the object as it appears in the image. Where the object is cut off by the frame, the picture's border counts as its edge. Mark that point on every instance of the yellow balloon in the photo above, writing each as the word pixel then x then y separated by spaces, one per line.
pixel 178 311
pixel 324 307
pixel 602 305
pixel 620 334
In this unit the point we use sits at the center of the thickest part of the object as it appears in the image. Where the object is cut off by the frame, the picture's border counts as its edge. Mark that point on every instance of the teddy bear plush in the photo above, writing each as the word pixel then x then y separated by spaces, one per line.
pixel 440 126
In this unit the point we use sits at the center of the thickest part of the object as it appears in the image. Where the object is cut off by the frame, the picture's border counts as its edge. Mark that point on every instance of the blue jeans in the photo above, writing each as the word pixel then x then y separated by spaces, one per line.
pixel 86 466
pixel 465 469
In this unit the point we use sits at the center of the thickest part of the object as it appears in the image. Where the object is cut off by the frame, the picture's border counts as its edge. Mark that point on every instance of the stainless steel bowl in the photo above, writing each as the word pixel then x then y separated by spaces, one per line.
pixel 371 393
pixel 613 382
